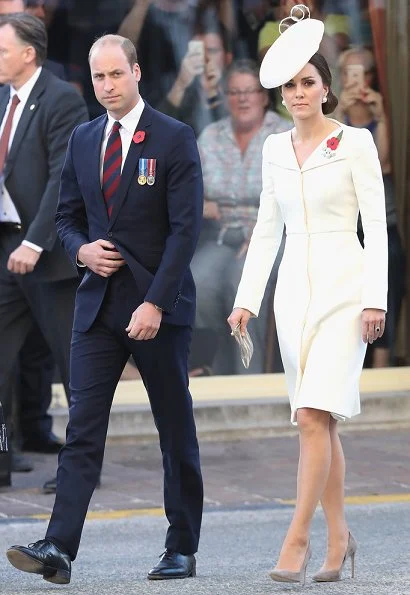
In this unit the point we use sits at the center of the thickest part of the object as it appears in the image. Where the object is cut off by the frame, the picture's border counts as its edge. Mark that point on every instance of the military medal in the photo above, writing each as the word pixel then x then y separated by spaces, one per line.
pixel 152 165
pixel 142 171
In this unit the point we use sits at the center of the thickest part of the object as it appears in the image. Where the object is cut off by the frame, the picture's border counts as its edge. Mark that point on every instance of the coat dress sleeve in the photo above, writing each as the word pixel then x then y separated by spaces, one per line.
pixel 369 187
pixel 265 242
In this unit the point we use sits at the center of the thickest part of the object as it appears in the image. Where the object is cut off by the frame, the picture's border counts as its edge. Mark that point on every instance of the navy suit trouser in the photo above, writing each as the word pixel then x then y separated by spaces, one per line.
pixel 98 357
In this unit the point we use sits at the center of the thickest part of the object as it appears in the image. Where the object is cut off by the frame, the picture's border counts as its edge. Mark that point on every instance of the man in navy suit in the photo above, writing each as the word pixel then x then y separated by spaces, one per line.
pixel 129 216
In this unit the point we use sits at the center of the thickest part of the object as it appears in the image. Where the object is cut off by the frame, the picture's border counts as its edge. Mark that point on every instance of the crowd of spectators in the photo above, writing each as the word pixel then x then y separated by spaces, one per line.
pixel 199 62
pixel 185 49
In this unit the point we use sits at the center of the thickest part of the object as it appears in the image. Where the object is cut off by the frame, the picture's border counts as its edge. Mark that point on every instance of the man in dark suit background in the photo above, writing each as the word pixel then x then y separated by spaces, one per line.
pixel 37 114
pixel 129 216
pixel 35 373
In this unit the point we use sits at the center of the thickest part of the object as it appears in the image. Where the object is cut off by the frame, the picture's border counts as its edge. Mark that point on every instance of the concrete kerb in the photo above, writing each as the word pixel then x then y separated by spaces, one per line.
pixel 262 409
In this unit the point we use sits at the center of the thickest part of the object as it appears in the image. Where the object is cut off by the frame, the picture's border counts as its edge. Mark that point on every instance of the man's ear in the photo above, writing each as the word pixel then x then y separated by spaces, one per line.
pixel 228 58
pixel 137 71
pixel 30 54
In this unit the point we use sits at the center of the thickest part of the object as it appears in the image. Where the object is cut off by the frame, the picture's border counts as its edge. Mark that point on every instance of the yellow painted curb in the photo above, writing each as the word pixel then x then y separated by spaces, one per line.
pixel 111 514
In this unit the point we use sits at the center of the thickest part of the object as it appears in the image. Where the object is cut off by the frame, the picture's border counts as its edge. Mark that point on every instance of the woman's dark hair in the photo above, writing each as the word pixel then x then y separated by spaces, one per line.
pixel 319 62
pixel 206 24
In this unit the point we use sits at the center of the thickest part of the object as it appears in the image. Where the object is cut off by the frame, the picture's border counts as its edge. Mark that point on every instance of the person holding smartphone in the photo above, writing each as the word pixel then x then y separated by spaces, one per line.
pixel 361 106
pixel 196 96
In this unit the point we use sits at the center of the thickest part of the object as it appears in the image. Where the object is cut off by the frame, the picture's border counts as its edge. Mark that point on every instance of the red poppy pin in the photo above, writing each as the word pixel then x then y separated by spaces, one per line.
pixel 331 145
pixel 139 137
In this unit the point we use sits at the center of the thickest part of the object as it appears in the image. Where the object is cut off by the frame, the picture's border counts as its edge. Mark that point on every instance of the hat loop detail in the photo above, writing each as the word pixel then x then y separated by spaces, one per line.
pixel 297 13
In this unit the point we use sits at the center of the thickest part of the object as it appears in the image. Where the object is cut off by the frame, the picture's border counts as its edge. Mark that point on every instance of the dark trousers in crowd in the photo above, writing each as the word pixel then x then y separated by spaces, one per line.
pixel 25 300
pixel 35 375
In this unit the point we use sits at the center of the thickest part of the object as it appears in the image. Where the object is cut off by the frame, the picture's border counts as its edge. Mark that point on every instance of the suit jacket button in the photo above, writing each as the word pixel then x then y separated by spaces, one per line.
pixel 109 234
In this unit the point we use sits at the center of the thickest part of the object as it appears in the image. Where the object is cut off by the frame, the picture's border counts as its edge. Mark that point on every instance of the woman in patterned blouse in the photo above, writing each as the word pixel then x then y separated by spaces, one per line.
pixel 231 152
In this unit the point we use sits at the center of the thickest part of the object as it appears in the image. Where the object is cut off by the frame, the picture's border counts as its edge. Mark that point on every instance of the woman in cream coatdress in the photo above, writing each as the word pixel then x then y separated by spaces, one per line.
pixel 330 296
pixel 325 279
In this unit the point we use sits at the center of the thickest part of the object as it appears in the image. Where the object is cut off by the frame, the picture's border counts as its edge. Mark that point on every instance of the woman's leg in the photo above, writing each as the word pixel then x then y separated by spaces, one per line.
pixel 313 473
pixel 333 504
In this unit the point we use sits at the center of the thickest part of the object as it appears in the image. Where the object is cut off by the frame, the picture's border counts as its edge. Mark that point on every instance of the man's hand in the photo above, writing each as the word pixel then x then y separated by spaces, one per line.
pixel 101 257
pixel 23 260
pixel 145 322
pixel 373 322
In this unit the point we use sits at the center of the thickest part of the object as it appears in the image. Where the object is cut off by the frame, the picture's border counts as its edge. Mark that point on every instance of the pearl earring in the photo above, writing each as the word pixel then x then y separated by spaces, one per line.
pixel 324 99
pixel 283 102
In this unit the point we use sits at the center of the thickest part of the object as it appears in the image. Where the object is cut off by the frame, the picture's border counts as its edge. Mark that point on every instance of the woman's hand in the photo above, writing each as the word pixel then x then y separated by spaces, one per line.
pixel 242 250
pixel 239 316
pixel 373 322
pixel 211 210
pixel 349 95
pixel 375 102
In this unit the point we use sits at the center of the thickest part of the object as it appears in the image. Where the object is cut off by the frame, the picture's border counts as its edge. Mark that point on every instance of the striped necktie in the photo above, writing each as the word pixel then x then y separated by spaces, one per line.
pixel 5 137
pixel 112 167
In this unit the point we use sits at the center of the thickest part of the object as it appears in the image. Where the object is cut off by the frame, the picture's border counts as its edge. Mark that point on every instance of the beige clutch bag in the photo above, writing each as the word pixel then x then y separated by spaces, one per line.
pixel 245 345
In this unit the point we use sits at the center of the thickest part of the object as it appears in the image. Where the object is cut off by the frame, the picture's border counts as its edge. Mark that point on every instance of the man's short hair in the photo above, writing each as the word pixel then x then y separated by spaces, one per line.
pixel 126 44
pixel 30 31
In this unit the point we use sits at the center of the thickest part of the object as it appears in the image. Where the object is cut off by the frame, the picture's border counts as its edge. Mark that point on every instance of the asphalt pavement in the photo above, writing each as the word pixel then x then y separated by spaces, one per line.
pixel 237 549
pixel 249 491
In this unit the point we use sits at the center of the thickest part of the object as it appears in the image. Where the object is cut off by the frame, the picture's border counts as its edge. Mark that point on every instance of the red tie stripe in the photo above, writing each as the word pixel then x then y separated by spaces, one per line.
pixel 5 137
pixel 112 167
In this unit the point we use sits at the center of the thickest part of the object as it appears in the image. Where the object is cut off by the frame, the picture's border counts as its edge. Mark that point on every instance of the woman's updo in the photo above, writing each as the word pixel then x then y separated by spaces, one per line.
pixel 319 62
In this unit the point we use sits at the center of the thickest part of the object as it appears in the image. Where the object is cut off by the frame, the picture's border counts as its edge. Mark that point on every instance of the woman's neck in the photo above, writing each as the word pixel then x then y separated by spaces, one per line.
pixel 244 134
pixel 312 128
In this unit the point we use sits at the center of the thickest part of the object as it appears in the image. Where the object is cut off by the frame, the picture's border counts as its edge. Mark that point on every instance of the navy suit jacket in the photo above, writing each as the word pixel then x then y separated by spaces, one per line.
pixel 33 167
pixel 155 228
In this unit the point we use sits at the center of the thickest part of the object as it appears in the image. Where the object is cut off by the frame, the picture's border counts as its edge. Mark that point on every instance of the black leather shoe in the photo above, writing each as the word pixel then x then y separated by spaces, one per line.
pixel 50 486
pixel 20 463
pixel 49 444
pixel 173 565
pixel 42 557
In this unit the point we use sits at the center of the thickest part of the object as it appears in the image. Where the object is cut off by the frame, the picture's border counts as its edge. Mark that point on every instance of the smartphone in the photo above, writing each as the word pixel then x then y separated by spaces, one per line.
pixel 196 46
pixel 355 75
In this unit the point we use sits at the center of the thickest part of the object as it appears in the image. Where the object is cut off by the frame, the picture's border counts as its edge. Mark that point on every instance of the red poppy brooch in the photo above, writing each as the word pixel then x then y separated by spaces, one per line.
pixel 331 145
pixel 139 137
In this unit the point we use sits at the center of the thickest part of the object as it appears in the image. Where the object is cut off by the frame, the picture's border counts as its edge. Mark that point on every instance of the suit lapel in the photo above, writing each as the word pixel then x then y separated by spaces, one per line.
pixel 131 162
pixel 283 153
pixel 322 156
pixel 3 104
pixel 96 142
pixel 29 110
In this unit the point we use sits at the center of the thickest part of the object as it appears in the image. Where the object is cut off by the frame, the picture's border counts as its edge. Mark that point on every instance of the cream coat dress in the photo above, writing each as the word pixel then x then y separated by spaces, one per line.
pixel 326 278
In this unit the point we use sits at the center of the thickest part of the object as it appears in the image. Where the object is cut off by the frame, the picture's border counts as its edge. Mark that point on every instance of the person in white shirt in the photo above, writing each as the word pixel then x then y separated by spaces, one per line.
pixel 38 112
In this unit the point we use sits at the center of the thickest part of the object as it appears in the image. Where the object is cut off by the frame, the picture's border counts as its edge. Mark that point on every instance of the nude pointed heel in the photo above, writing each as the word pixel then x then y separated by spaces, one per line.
pixel 330 576
pixel 287 576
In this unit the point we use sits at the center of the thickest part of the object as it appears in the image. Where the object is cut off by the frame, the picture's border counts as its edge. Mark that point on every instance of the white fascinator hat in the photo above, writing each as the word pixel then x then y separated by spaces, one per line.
pixel 299 39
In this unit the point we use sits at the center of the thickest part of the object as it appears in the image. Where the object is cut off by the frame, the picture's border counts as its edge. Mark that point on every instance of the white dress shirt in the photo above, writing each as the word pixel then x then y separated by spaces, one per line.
pixel 129 124
pixel 8 211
